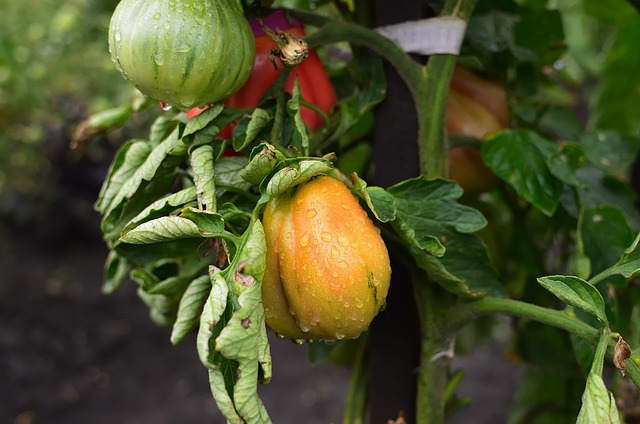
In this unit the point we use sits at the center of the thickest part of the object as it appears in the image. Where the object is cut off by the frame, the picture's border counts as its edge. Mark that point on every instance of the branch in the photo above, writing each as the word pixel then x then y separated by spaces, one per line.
pixel 460 315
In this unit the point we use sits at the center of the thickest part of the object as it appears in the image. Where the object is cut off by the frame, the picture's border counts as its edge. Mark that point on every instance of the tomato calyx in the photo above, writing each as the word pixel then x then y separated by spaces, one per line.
pixel 291 50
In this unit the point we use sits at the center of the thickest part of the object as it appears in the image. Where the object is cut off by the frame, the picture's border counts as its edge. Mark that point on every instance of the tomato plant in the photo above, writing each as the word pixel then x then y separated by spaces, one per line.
pixel 227 246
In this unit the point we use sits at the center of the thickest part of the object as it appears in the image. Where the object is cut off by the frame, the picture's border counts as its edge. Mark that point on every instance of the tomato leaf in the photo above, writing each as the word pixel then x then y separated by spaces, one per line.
pixel 520 158
pixel 263 160
pixel 232 340
pixel 436 230
pixel 380 202
pixel 116 272
pixel 190 308
pixel 602 189
pixel 540 32
pixel 292 173
pixel 628 266
pixel 203 119
pixel 564 163
pixel 300 136
pixel 603 235
pixel 576 292
pixel 143 165
pixel 598 404
pixel 610 151
pixel 616 98
pixel 202 163
pixel 228 174
pixel 248 129
pixel 163 207
pixel 126 162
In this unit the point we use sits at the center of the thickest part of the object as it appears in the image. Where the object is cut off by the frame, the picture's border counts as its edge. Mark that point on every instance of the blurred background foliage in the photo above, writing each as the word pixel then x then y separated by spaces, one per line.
pixel 55 70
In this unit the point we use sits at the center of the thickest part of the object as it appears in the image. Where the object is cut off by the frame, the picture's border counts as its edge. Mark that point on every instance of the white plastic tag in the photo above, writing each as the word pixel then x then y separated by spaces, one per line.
pixel 442 35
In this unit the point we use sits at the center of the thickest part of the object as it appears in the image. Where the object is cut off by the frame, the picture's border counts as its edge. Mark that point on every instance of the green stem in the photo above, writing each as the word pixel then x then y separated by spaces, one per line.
pixel 356 406
pixel 435 353
pixel 601 350
pixel 431 100
pixel 462 314
pixel 336 31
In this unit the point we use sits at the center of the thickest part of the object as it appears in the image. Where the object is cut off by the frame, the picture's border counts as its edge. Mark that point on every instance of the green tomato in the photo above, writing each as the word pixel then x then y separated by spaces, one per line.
pixel 185 53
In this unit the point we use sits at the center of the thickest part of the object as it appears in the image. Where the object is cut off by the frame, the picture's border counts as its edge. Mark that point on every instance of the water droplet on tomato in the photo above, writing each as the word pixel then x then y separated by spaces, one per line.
pixel 157 16
pixel 304 241
pixel 304 327
pixel 339 335
pixel 358 302
pixel 118 36
pixel 335 253
pixel 311 213
pixel 326 236
pixel 343 240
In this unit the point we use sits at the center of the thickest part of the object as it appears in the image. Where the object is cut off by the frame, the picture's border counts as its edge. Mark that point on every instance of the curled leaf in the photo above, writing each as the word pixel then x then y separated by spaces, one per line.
pixel 621 352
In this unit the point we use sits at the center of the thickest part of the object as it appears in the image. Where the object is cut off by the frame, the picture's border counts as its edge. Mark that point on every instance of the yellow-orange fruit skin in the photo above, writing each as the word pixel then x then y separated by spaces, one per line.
pixel 328 268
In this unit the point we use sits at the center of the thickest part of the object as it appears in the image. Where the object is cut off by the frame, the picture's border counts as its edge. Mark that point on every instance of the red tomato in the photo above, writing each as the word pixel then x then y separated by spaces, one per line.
pixel 476 108
pixel 315 85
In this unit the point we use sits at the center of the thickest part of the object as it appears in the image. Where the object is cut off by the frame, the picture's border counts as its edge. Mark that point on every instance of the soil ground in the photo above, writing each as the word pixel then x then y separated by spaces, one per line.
pixel 69 354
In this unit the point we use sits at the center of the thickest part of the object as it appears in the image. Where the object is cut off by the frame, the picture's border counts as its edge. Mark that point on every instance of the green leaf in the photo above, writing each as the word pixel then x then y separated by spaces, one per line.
pixel 296 172
pixel 602 189
pixel 163 207
pixel 628 266
pixel 598 404
pixel 367 71
pixel 208 133
pixel 380 202
pixel 190 307
pixel 564 163
pixel 202 164
pixel 300 136
pixel 161 128
pixel 110 118
pixel 162 309
pixel 603 235
pixel 520 158
pixel 540 32
pixel 228 174
pixel 200 121
pixel 212 314
pixel 161 229
pixel 576 292
pixel 125 163
pixel 116 272
pixel 144 166
pixel 264 159
pixel 248 129
pixel 610 151
pixel 236 349
pixel 617 97
pixel 430 221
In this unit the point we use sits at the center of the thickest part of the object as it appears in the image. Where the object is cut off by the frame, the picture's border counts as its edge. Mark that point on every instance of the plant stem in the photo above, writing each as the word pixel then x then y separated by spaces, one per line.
pixel 435 352
pixel 462 314
pixel 431 101
pixel 430 98
pixel 356 406
pixel 336 31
